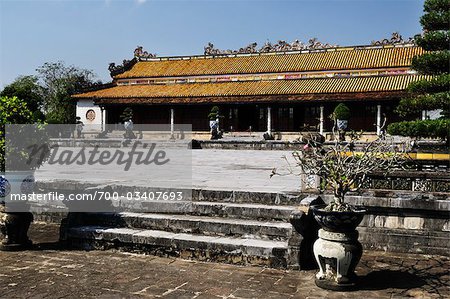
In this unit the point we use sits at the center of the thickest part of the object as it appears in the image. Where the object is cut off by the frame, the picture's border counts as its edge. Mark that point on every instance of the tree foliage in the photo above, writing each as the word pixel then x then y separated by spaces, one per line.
pixel 437 84
pixel 341 112
pixel 343 168
pixel 59 82
pixel 416 104
pixel 434 63
pixel 12 111
pixel 50 91
pixel 429 94
pixel 434 40
pixel 436 5
pixel 27 88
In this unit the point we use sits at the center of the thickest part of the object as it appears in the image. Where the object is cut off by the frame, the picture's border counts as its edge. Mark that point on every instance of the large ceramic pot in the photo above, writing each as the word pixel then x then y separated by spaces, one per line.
pixel 338 221
pixel 342 124
pixel 15 219
pixel 337 250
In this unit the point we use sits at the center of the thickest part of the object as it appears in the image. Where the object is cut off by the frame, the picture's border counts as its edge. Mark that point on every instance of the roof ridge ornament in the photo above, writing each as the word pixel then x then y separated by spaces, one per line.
pixel 118 69
pixel 280 46
pixel 140 53
pixel 396 39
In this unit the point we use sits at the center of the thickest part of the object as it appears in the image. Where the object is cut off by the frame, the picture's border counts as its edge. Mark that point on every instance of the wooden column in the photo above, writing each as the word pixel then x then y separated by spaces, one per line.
pixel 269 120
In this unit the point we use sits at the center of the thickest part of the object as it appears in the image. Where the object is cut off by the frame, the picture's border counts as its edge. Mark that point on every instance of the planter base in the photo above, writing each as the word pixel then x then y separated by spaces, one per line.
pixel 337 255
pixel 16 247
pixel 334 286
pixel 14 228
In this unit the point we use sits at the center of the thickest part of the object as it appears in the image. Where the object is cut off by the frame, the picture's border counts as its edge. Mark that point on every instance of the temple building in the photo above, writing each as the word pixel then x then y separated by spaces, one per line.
pixel 292 90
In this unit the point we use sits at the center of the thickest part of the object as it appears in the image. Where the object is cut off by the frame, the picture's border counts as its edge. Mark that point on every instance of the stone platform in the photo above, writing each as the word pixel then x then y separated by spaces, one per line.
pixel 50 271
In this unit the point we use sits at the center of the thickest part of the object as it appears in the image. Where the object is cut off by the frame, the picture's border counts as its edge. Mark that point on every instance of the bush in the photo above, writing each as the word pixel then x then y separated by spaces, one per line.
pixel 341 112
pixel 436 128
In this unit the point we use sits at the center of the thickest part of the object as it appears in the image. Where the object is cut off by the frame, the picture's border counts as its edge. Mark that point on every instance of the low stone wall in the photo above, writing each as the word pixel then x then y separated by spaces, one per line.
pixel 411 222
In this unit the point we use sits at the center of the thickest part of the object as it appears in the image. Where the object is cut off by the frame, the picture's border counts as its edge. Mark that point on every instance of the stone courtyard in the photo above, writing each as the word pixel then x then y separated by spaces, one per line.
pixel 49 271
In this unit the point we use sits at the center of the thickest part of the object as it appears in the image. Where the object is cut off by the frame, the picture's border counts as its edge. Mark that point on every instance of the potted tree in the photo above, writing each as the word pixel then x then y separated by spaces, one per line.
pixel 15 218
pixel 341 115
pixel 127 118
pixel 214 119
pixel 342 168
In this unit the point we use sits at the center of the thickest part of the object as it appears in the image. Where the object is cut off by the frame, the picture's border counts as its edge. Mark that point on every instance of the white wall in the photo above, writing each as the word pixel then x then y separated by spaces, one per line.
pixel 83 106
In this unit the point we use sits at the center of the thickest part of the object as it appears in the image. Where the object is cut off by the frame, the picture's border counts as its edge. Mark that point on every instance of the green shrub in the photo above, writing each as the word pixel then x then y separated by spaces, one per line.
pixel 341 112
pixel 214 113
pixel 12 111
pixel 434 128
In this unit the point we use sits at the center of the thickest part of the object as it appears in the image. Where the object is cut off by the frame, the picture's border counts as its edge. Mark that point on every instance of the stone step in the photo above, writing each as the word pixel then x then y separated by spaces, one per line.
pixel 220 209
pixel 244 251
pixel 243 210
pixel 209 226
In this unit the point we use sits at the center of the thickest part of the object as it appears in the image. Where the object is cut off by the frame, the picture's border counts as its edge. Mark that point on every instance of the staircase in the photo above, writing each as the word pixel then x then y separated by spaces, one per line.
pixel 238 231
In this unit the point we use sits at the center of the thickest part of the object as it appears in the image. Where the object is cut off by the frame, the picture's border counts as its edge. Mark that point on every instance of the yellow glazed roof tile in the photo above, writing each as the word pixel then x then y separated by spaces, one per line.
pixel 250 88
pixel 314 61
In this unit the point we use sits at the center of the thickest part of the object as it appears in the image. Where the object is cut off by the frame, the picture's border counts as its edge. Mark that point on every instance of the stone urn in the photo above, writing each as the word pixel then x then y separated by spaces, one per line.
pixel 337 250
pixel 15 218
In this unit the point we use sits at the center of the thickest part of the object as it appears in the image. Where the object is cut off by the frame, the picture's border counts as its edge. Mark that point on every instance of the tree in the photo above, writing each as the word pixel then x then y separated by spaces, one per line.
pixel 12 111
pixel 344 169
pixel 434 93
pixel 27 88
pixel 59 82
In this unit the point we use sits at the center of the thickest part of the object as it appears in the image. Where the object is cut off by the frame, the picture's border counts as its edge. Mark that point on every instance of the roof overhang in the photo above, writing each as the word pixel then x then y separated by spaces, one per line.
pixel 260 99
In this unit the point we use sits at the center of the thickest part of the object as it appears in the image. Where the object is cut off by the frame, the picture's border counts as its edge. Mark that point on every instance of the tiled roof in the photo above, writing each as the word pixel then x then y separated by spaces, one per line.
pixel 257 88
pixel 336 59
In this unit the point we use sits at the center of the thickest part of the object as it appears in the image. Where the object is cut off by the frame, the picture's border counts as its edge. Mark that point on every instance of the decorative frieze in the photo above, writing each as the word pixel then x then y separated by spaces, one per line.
pixel 395 39
pixel 280 46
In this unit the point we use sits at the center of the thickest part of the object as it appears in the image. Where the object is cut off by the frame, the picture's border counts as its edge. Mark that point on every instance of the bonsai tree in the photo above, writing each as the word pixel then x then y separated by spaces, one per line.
pixel 429 94
pixel 214 113
pixel 343 168
pixel 127 114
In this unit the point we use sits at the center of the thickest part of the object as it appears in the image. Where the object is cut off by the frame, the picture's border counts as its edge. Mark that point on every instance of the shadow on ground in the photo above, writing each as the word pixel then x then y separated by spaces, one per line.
pixel 390 279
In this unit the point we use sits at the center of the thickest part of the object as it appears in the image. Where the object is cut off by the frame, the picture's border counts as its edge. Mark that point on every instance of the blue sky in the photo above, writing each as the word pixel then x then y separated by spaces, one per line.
pixel 91 34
